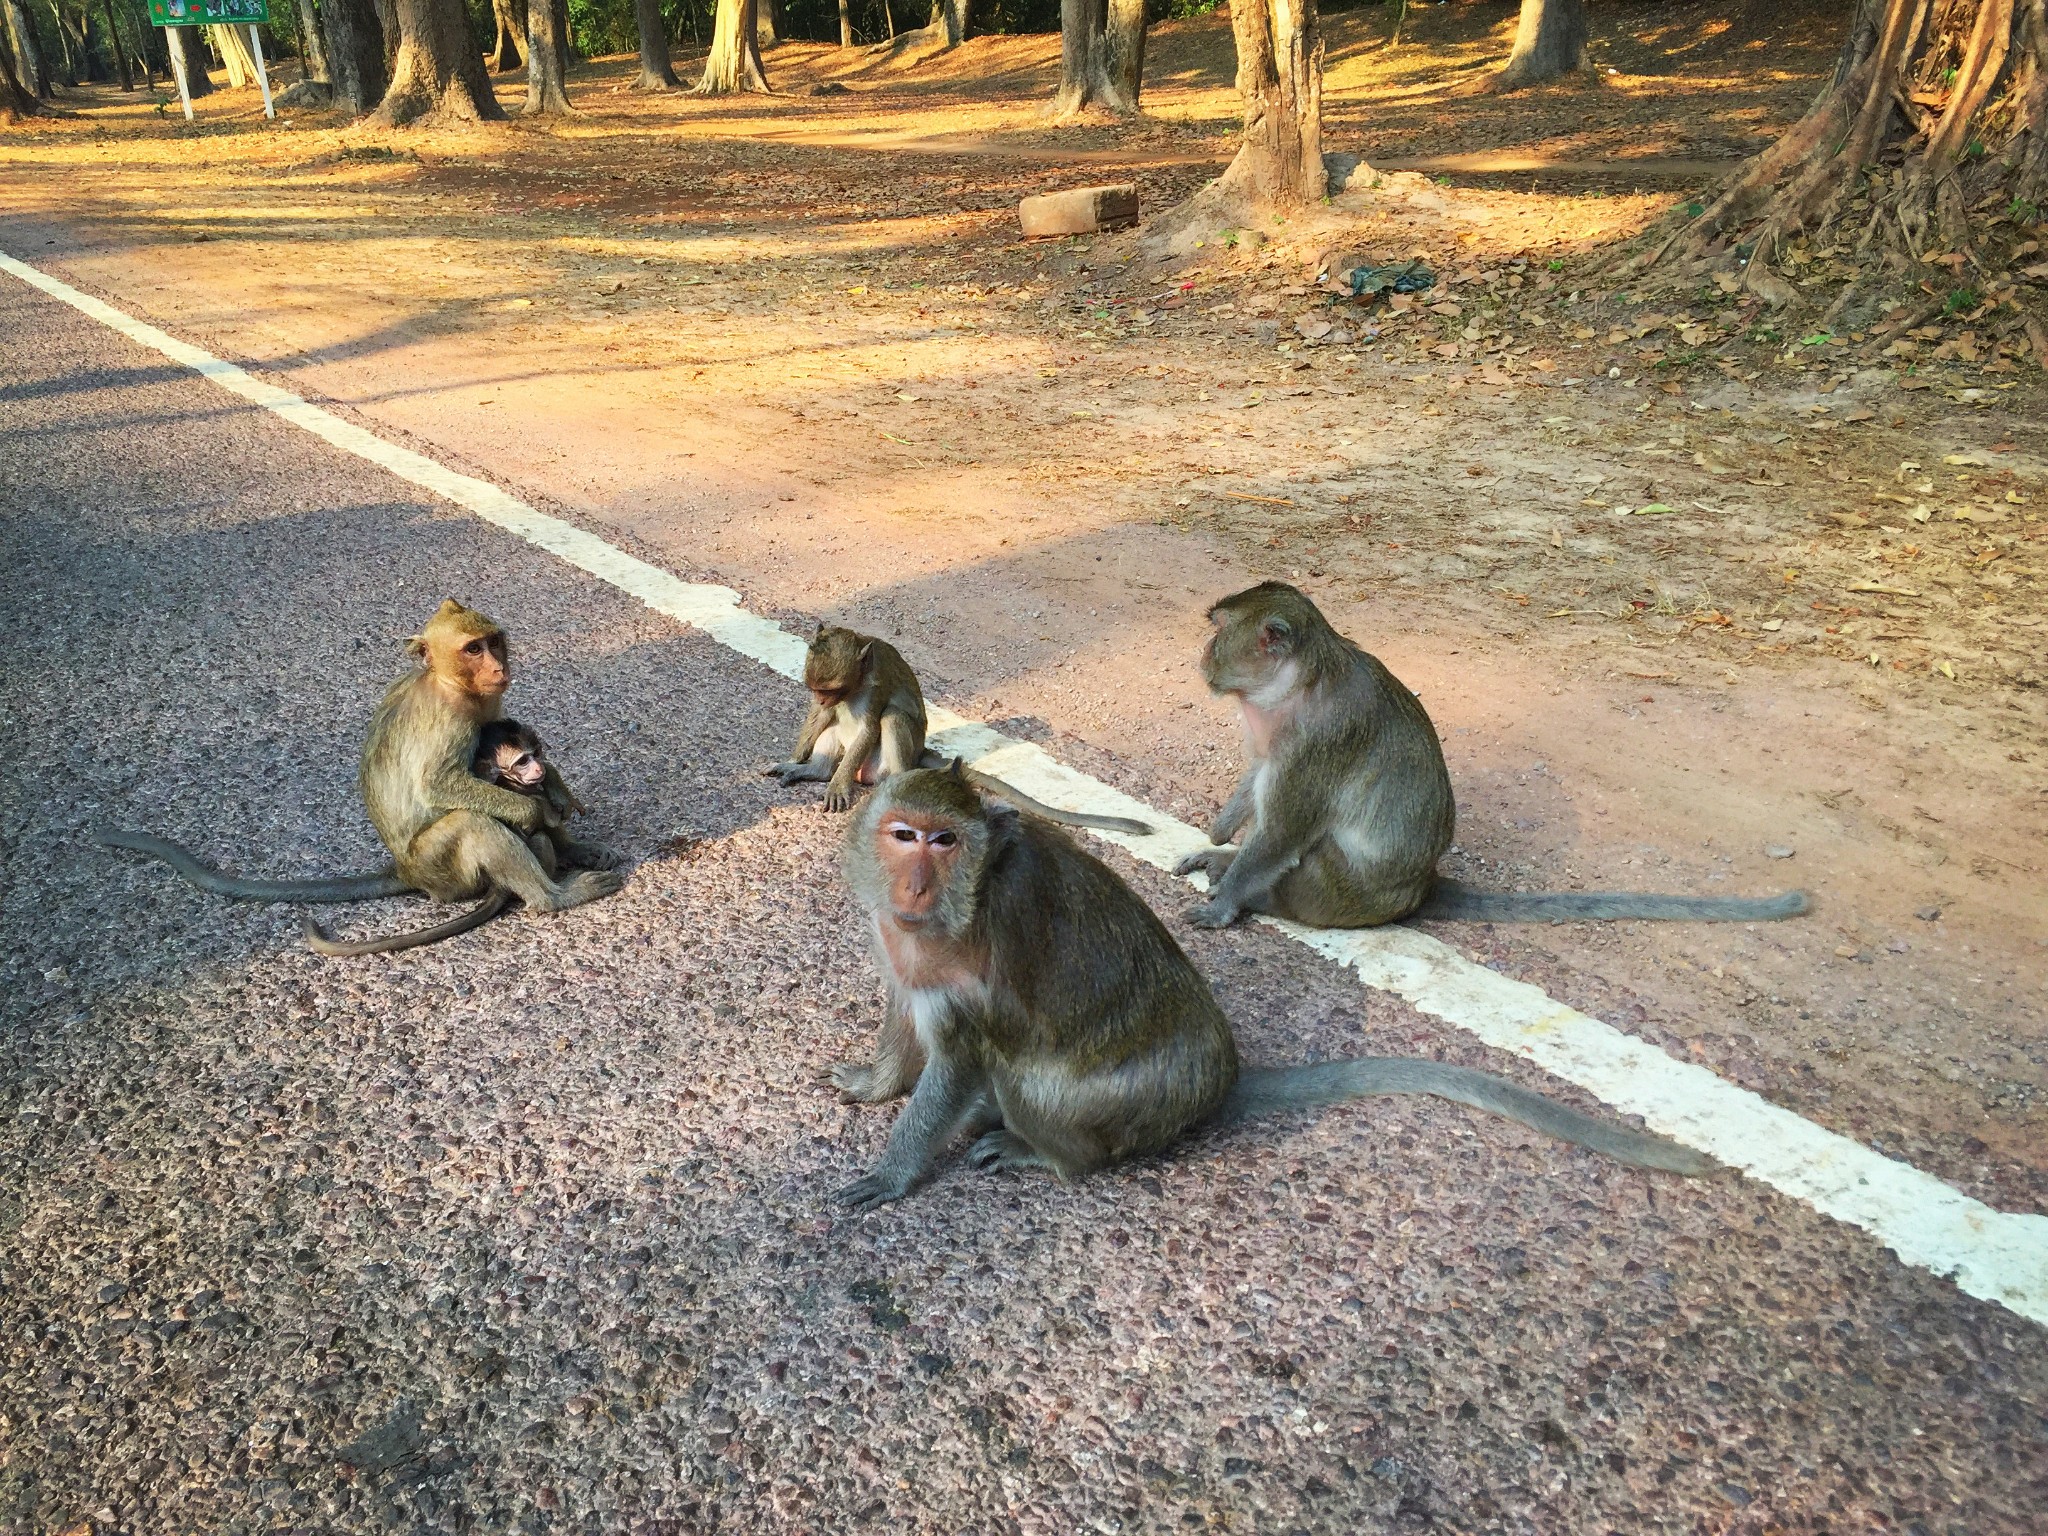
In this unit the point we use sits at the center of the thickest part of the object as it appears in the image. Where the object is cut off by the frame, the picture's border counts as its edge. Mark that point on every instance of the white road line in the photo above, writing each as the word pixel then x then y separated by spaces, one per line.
pixel 1997 1256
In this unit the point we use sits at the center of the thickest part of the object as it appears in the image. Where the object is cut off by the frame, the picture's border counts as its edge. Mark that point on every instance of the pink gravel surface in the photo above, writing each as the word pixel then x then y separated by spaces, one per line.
pixel 529 1232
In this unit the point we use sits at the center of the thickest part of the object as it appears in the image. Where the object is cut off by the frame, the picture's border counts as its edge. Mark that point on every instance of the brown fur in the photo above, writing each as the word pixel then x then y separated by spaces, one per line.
pixel 1037 1004
pixel 866 723
pixel 1345 805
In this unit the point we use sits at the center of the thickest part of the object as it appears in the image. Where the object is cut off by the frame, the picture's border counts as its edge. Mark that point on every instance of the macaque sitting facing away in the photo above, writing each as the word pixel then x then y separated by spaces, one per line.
pixel 1345 805
pixel 866 722
pixel 511 756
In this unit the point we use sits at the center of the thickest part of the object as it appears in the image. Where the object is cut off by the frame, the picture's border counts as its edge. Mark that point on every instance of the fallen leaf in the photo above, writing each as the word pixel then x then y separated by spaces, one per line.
pixel 1653 509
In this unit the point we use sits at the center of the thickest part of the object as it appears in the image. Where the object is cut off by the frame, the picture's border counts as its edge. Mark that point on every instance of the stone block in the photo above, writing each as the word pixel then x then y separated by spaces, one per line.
pixel 1082 211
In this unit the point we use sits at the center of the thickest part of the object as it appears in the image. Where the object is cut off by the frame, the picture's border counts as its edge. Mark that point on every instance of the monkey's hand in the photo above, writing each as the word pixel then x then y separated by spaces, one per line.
pixel 1214 913
pixel 838 796
pixel 1210 861
pixel 878 1188
pixel 590 856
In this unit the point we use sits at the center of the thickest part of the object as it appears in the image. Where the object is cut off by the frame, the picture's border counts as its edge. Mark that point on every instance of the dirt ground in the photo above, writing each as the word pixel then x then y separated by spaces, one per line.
pixel 1697 602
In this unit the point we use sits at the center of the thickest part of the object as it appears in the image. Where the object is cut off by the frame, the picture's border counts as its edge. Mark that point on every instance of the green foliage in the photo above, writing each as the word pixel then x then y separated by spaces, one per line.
pixel 1960 300
pixel 2023 211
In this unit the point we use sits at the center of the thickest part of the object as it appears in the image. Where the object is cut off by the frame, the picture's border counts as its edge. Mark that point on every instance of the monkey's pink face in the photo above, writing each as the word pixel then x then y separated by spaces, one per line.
pixel 525 771
pixel 918 852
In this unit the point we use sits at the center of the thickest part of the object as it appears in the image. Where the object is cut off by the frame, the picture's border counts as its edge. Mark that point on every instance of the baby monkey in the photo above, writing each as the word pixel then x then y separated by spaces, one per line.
pixel 511 756
pixel 866 724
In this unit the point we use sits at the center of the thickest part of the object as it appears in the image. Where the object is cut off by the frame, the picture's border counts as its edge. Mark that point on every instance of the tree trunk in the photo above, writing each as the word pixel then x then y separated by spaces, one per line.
pixel 355 54
pixel 67 62
pixel 954 17
pixel 1550 40
pixel 390 31
pixel 505 55
pixel 1102 56
pixel 439 73
pixel 547 60
pixel 1123 50
pixel 1279 161
pixel 768 22
pixel 191 51
pixel 310 43
pixel 16 100
pixel 233 45
pixel 120 53
pixel 889 20
pixel 734 62
pixel 657 73
pixel 845 25
pixel 74 30
pixel 1954 95
pixel 29 64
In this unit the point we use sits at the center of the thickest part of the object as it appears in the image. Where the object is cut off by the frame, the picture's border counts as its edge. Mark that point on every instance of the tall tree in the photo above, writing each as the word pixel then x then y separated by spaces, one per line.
pixel 845 24
pixel 28 50
pixel 439 74
pixel 1550 40
pixel 1102 56
pixel 120 53
pixel 387 21
pixel 16 99
pixel 657 73
pixel 509 17
pixel 768 22
pixel 189 50
pixel 547 61
pixel 355 54
pixel 310 41
pixel 1935 121
pixel 1279 160
pixel 232 44
pixel 734 62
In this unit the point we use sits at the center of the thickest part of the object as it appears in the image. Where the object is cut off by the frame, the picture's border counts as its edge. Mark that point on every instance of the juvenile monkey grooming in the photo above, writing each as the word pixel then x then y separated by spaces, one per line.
pixel 1038 1005
pixel 866 722
pixel 510 755
pixel 451 834
pixel 1345 805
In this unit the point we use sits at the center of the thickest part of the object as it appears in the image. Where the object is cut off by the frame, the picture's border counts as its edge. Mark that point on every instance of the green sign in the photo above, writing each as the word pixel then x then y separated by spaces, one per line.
pixel 207 13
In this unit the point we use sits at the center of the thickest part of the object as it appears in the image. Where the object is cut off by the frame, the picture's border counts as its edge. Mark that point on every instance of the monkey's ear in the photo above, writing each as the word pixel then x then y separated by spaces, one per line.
pixel 416 645
pixel 867 653
pixel 1275 633
pixel 449 606
pixel 822 627
pixel 956 770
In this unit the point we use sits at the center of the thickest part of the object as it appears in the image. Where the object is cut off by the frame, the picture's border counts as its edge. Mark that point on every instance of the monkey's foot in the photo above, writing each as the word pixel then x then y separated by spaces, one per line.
pixel 837 799
pixel 1214 913
pixel 866 1082
pixel 591 856
pixel 584 886
pixel 1210 861
pixel 878 1188
pixel 1004 1149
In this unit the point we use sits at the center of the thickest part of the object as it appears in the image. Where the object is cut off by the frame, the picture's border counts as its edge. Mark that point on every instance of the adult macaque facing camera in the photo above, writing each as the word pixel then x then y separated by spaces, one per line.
pixel 1038 1006
pixel 451 834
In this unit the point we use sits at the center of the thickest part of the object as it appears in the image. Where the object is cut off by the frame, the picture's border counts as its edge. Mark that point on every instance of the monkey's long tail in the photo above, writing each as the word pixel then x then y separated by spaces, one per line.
pixel 989 784
pixel 1448 898
pixel 321 942
pixel 1273 1090
pixel 207 878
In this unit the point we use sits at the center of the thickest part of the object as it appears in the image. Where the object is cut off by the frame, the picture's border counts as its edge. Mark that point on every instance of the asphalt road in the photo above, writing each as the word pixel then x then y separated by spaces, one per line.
pixel 529 1232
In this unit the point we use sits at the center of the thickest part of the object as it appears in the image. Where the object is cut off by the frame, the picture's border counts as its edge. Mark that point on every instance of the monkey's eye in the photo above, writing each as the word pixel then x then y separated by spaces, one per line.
pixel 474 648
pixel 903 834
pixel 523 761
pixel 944 839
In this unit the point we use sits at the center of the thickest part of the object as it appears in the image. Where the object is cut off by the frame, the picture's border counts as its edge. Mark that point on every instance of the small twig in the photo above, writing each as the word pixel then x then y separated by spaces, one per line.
pixel 1271 501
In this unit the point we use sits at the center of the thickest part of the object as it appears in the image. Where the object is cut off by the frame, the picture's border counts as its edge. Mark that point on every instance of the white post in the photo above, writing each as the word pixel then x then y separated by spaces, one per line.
pixel 262 74
pixel 177 54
